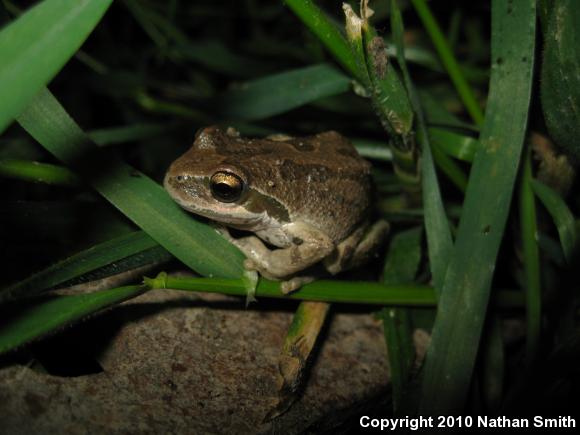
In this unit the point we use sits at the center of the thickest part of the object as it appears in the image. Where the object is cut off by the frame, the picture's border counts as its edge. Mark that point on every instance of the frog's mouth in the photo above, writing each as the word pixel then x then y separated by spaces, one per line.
pixel 231 216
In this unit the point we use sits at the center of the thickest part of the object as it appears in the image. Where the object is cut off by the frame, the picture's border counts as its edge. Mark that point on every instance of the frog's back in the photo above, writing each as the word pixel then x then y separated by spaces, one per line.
pixel 319 179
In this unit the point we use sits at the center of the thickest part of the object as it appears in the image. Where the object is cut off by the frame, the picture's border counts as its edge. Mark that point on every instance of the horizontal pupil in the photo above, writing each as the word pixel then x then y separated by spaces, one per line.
pixel 225 188
pixel 225 191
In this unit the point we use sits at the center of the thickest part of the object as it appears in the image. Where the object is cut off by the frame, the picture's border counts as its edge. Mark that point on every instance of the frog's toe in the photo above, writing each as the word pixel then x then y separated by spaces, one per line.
pixel 253 266
pixel 287 287
pixel 295 283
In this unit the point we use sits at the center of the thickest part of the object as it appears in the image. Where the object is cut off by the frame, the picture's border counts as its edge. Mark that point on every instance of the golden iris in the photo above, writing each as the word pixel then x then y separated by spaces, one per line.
pixel 226 187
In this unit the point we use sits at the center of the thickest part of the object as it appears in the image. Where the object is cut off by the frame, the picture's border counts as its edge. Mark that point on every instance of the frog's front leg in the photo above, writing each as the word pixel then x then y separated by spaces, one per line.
pixel 308 246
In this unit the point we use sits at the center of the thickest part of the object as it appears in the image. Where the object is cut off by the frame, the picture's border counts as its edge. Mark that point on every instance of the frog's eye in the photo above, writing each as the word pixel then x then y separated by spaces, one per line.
pixel 226 187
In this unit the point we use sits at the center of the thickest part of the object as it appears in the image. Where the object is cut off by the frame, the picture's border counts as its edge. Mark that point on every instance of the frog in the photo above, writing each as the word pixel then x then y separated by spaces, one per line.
pixel 302 204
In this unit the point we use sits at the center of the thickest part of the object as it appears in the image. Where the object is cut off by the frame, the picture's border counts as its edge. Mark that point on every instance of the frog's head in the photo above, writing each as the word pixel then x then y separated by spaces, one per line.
pixel 206 180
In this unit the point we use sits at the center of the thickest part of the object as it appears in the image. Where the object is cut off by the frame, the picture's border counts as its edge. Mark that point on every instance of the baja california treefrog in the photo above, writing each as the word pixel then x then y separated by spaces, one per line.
pixel 308 197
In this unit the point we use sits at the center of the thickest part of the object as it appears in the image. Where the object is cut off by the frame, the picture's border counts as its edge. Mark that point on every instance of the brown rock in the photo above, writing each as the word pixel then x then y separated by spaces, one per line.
pixel 177 362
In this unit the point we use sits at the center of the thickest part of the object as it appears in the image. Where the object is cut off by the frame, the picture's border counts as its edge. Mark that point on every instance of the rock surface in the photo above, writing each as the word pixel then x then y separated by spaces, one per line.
pixel 177 362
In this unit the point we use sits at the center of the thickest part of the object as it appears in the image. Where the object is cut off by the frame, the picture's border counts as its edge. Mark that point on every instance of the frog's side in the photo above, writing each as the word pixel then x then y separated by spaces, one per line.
pixel 308 196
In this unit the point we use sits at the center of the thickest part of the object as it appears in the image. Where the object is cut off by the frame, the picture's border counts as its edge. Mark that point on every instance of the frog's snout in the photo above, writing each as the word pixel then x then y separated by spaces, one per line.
pixel 175 181
pixel 168 181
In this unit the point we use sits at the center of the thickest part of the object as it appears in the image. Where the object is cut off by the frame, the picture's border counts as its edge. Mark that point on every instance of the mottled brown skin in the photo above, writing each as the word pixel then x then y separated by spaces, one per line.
pixel 320 179
pixel 310 195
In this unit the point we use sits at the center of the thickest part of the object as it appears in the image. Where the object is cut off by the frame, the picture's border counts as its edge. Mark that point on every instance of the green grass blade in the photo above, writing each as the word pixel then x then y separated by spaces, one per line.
pixel 403 260
pixel 128 133
pixel 139 198
pixel 79 264
pixel 348 292
pixel 493 362
pixel 328 33
pixel 560 81
pixel 212 54
pixel 448 60
pixel 450 168
pixel 38 172
pixel 437 115
pixel 403 257
pixel 390 99
pixel 140 13
pixel 531 257
pixel 374 150
pixel 282 92
pixel 562 216
pixel 551 249
pixel 456 145
pixel 398 331
pixel 439 240
pixel 461 312
pixel 33 49
pixel 24 322
pixel 357 292
pixel 215 56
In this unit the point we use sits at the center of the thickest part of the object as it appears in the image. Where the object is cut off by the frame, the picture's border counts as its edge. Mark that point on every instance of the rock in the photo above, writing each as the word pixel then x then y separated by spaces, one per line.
pixel 177 362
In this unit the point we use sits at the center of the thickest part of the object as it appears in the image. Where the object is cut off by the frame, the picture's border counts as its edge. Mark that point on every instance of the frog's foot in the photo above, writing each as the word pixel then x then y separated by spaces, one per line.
pixel 357 248
pixel 370 243
pixel 287 285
